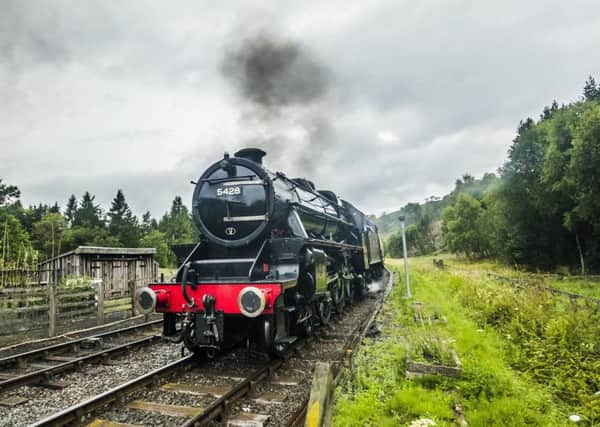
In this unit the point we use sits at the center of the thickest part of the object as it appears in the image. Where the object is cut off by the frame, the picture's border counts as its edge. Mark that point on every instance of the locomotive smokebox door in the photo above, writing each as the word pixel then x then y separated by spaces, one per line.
pixel 233 200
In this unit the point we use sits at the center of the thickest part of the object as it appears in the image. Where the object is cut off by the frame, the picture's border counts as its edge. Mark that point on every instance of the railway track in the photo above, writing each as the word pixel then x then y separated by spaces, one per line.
pixel 238 388
pixel 37 367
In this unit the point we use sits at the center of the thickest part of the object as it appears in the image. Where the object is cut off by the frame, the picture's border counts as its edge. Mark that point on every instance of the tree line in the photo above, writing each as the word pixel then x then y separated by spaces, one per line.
pixel 541 212
pixel 32 234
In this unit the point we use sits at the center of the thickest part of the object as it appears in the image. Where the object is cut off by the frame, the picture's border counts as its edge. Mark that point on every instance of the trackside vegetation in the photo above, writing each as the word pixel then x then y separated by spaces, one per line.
pixel 541 211
pixel 528 356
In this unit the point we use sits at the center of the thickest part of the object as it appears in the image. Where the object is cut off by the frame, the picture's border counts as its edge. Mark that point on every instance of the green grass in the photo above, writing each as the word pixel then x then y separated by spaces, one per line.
pixel 503 382
pixel 585 287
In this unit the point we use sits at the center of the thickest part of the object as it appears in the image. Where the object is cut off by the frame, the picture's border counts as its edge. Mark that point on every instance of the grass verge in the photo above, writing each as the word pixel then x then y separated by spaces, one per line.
pixel 507 380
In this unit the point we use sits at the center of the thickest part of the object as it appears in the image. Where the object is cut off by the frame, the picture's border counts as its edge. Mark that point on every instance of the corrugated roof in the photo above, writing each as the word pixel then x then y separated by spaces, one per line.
pixel 114 251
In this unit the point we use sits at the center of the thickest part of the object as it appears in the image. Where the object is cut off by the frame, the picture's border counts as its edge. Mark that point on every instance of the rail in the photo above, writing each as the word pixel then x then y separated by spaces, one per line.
pixel 54 353
pixel 74 414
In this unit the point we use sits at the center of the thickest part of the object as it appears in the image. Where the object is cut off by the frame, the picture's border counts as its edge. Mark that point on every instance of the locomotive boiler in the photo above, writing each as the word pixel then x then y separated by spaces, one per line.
pixel 275 257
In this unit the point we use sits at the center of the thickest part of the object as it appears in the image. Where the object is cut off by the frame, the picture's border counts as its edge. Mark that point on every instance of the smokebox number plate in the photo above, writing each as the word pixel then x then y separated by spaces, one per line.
pixel 231 192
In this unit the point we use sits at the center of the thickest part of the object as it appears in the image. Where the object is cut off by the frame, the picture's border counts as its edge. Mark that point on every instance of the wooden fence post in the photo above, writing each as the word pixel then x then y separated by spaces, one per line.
pixel 132 296
pixel 319 395
pixel 131 281
pixel 100 300
pixel 51 309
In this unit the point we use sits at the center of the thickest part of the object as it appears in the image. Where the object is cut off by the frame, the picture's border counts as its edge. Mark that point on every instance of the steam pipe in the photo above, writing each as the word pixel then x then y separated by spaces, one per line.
pixel 184 276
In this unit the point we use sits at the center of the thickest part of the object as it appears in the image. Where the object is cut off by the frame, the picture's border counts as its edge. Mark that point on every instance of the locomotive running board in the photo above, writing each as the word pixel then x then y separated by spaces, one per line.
pixel 333 244
pixel 224 260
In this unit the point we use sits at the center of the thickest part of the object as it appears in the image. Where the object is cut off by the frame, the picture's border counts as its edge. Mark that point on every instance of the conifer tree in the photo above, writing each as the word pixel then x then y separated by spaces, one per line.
pixel 88 214
pixel 591 91
pixel 148 224
pixel 123 224
pixel 71 209
pixel 177 223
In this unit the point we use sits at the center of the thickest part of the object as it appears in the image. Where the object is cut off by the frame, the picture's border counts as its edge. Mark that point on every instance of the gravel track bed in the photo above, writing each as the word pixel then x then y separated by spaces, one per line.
pixel 70 336
pixel 223 371
pixel 300 366
pixel 104 344
pixel 92 380
pixel 131 416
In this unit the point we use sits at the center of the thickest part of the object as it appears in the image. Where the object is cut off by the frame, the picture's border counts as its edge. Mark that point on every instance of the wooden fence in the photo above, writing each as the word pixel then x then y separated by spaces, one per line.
pixel 39 307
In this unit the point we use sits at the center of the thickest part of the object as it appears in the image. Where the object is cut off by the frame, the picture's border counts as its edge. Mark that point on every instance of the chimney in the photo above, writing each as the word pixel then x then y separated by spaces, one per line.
pixel 253 154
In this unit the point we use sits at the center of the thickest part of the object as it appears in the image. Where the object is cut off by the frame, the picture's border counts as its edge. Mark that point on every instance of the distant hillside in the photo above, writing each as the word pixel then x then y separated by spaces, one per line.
pixel 389 224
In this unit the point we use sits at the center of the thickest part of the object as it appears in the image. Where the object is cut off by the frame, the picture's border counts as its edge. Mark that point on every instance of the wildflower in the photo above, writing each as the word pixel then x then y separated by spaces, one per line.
pixel 423 422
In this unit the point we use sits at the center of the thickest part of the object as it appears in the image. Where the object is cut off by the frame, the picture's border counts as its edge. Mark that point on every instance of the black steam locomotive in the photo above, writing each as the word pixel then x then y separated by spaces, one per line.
pixel 276 255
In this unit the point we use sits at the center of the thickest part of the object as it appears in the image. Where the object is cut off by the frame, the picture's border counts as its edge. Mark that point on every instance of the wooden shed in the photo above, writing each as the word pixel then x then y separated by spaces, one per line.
pixel 121 269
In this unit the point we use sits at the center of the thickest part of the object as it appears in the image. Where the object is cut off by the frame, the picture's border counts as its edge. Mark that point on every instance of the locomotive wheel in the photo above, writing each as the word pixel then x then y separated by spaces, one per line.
pixel 360 286
pixel 305 329
pixel 349 291
pixel 210 353
pixel 267 336
pixel 337 295
pixel 279 350
pixel 324 311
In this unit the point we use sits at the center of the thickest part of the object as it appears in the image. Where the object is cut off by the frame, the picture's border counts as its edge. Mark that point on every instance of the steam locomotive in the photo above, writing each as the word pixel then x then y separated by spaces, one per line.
pixel 276 256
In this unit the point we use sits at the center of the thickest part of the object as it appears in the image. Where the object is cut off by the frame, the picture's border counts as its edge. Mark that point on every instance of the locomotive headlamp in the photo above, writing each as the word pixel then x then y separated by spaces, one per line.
pixel 251 301
pixel 145 300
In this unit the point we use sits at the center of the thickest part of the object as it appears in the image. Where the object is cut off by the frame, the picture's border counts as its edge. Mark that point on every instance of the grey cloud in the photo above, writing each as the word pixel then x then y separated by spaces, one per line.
pixel 451 80
pixel 129 135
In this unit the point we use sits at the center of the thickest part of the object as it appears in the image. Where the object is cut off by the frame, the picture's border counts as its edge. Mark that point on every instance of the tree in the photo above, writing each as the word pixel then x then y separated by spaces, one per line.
pixel 8 193
pixel 15 247
pixel 548 112
pixel 177 223
pixel 71 209
pixel 48 235
pixel 87 236
pixel 591 91
pixel 462 227
pixel 155 239
pixel 393 245
pixel 546 211
pixel 89 214
pixel 88 227
pixel 583 179
pixel 535 233
pixel 32 215
pixel 148 224
pixel 584 166
pixel 123 224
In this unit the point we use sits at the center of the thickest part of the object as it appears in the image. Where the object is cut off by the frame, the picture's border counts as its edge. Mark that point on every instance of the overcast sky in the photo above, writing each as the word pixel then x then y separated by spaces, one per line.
pixel 100 95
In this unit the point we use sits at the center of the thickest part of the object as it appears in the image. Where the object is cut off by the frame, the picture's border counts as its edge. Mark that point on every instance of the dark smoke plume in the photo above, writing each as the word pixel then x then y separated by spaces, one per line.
pixel 284 92
pixel 273 72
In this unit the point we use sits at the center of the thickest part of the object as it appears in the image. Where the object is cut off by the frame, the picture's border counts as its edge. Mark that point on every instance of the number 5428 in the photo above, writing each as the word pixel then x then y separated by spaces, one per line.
pixel 229 191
